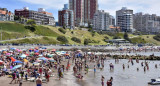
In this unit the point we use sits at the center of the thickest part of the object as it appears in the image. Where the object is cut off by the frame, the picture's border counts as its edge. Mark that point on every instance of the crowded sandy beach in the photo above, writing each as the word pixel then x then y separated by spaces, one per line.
pixel 42 66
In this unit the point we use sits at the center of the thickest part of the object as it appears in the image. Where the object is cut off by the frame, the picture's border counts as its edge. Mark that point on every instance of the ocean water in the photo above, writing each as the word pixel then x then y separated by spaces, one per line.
pixel 134 53
pixel 127 77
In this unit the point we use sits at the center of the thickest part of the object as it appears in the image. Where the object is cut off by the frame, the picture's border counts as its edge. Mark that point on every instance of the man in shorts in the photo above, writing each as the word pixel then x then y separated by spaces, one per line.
pixel 39 82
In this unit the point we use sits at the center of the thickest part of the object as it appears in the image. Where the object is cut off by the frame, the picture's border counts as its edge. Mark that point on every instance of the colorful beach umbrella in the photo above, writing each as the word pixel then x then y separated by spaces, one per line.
pixel 23 56
pixel 43 58
pixel 25 60
pixel 54 50
pixel 13 59
pixel 16 67
pixel 18 62
pixel 1 62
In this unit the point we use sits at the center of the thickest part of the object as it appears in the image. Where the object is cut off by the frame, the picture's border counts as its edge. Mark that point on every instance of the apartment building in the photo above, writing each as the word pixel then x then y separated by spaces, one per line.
pixel 40 16
pixel 84 11
pixel 102 20
pixel 147 23
pixel 66 17
pixel 124 19
pixel 6 15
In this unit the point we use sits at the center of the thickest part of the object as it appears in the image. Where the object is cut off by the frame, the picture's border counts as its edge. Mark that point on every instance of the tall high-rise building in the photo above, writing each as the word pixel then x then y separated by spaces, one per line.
pixel 146 23
pixel 66 17
pixel 84 11
pixel 102 20
pixel 124 19
pixel 90 8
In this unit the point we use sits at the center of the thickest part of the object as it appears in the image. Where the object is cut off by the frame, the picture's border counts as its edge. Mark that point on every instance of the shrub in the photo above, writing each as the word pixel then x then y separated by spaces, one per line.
pixel 87 41
pixel 72 32
pixel 62 30
pixel 76 39
pixel 106 37
pixel 157 37
pixel 31 28
pixel 116 37
pixel 93 33
pixel 62 39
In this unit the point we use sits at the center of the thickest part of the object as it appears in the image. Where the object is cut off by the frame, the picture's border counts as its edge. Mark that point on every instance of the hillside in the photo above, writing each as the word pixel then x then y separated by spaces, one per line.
pixel 19 33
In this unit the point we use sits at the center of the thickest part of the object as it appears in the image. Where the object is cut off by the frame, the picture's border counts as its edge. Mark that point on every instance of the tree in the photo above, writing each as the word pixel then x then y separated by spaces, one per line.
pixel 31 25
pixel 86 42
pixel 126 37
pixel 62 30
pixel 75 39
pixel 93 33
pixel 62 39
pixel 31 22
pixel 17 18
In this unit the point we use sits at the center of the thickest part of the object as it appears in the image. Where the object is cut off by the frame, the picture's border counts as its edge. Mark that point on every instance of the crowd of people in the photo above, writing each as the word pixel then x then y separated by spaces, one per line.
pixel 38 64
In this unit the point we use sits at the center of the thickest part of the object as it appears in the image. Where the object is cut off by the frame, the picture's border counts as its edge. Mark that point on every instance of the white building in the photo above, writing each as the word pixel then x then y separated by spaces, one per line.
pixel 124 19
pixel 6 15
pixel 102 20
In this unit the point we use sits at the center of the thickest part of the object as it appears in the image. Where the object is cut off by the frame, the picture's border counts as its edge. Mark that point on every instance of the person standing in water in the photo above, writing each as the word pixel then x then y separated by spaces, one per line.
pixel 109 82
pixel 94 69
pixel 102 80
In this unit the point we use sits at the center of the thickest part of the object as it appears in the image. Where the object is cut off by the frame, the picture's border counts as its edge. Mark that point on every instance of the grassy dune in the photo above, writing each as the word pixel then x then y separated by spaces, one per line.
pixel 49 34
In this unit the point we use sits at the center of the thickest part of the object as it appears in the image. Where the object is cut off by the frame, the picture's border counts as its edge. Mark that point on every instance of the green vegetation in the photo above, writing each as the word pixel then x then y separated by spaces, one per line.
pixel 62 39
pixel 13 27
pixel 55 35
pixel 137 40
pixel 126 37
pixel 157 37
pixel 75 39
pixel 62 30
pixel 44 31
pixel 39 40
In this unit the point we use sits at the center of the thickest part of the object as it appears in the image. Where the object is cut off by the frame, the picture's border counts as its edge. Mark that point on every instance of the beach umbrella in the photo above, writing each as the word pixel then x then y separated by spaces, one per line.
pixel 43 58
pixel 16 67
pixel 23 56
pixel 4 52
pixel 13 59
pixel 44 48
pixel 63 52
pixel 36 51
pixel 18 62
pixel 50 55
pixel 54 50
pixel 13 48
pixel 25 60
pixel 52 60
pixel 40 55
pixel 36 48
pixel 36 54
pixel 8 54
pixel 36 63
pixel 67 54
pixel 1 62
pixel 30 50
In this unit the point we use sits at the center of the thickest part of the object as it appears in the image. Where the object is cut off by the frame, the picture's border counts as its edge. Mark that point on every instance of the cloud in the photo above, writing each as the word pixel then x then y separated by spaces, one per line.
pixel 145 6
pixel 111 6
pixel 48 4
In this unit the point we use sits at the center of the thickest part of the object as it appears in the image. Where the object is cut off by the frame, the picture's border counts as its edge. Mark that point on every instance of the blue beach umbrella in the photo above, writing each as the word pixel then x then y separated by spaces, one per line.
pixel 16 67
pixel 18 62
pixel 43 58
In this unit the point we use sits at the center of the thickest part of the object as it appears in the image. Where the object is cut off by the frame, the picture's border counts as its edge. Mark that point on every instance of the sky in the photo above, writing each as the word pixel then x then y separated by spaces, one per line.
pixel 145 6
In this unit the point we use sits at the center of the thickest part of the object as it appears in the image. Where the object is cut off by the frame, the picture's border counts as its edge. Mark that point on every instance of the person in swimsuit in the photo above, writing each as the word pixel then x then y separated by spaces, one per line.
pixel 39 82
